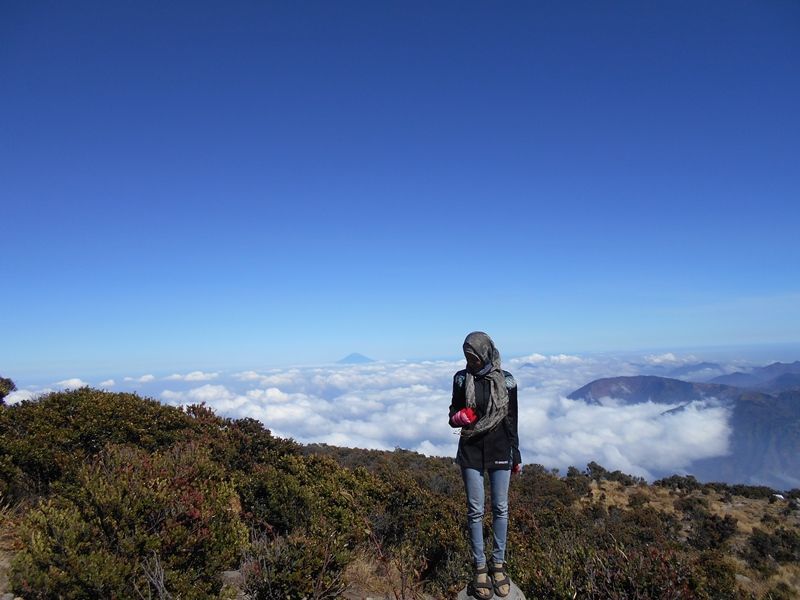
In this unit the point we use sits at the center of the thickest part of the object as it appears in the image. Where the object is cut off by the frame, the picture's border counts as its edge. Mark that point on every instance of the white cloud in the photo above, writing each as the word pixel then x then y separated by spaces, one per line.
pixel 203 393
pixel 72 384
pixel 405 404
pixel 669 359
pixel 641 439
pixel 553 359
pixel 107 383
pixel 193 376
pixel 143 379
pixel 20 395
pixel 566 359
pixel 533 358
pixel 247 376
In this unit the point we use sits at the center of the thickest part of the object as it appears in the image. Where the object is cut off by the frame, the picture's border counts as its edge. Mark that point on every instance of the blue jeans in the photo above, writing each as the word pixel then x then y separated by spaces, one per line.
pixel 473 483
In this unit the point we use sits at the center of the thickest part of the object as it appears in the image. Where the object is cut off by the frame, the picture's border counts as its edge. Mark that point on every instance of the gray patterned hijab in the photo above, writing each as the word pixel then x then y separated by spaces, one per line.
pixel 481 345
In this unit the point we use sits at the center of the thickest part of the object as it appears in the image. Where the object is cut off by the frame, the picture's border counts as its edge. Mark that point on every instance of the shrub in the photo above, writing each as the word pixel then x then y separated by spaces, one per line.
pixel 49 438
pixel 421 534
pixel 537 486
pixel 128 516
pixel 686 483
pixel 649 572
pixel 719 575
pixel 300 565
pixel 765 550
pixel 692 506
pixel 638 526
pixel 292 492
pixel 579 483
pixel 570 565
pixel 6 387
pixel 711 531
pixel 638 499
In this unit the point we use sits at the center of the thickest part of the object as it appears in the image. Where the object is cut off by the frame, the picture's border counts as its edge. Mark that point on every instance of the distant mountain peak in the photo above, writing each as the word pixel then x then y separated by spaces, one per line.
pixel 764 420
pixel 650 388
pixel 354 359
pixel 773 378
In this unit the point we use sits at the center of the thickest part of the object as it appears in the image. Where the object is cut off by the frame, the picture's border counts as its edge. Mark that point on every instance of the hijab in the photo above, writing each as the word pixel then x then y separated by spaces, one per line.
pixel 482 346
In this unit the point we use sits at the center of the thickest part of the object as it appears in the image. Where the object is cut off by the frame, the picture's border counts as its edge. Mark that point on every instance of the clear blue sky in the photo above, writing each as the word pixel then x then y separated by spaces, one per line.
pixel 212 184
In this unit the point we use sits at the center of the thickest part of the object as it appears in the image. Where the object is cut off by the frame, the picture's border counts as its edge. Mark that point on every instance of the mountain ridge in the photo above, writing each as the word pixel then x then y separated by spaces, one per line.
pixel 765 439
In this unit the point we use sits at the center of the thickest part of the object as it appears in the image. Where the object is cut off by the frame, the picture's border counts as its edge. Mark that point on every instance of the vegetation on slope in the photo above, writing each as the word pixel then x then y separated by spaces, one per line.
pixel 119 496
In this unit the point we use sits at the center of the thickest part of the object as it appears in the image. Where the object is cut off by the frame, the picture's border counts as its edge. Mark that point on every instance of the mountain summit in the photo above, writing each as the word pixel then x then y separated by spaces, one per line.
pixel 354 359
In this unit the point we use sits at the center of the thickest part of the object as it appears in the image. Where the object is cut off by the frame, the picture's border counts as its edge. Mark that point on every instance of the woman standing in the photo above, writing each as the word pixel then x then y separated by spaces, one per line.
pixel 484 405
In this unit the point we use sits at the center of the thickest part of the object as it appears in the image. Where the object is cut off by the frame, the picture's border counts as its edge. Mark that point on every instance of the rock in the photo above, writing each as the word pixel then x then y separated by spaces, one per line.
pixel 742 578
pixel 232 578
pixel 514 594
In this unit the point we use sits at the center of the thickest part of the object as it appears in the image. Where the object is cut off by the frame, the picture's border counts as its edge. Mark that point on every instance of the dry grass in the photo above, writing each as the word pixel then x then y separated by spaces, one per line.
pixel 614 493
pixel 749 514
pixel 372 579
pixel 364 580
pixel 369 578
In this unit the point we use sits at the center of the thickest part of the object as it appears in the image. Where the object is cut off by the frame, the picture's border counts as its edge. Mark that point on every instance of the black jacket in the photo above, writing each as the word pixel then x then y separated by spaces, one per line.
pixel 497 448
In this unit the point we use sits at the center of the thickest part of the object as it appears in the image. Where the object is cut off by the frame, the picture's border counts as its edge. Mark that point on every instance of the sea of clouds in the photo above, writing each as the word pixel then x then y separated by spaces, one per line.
pixel 385 405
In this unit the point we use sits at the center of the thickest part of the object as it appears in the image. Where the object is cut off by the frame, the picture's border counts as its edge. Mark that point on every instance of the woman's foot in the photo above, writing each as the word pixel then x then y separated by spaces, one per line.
pixel 500 580
pixel 482 587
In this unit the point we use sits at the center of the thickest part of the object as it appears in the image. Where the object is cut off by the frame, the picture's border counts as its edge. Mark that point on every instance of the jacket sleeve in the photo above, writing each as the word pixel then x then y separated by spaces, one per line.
pixel 458 401
pixel 512 424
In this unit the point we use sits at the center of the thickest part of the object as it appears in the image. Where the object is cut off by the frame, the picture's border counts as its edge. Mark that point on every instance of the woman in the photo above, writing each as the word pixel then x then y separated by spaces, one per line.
pixel 484 405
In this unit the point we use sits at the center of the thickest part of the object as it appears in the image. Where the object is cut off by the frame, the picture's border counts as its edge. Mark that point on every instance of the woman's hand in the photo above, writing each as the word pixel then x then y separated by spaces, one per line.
pixel 464 417
pixel 516 469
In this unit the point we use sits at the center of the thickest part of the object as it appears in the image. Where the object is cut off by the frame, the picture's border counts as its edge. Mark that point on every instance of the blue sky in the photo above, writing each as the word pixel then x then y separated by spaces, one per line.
pixel 228 185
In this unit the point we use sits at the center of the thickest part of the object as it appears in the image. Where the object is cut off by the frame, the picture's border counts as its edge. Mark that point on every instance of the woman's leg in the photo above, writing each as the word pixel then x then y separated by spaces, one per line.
pixel 499 479
pixel 473 484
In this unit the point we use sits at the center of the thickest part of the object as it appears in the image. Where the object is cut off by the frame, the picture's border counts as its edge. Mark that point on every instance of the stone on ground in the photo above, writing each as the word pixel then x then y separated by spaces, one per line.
pixel 514 594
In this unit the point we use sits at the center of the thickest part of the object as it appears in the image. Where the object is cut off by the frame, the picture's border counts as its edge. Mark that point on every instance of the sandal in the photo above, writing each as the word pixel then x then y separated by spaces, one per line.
pixel 500 569
pixel 481 589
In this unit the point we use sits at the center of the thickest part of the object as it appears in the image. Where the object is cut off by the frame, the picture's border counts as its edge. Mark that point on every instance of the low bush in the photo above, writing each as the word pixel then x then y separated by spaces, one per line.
pixel 686 483
pixel 766 550
pixel 133 522
pixel 712 531
pixel 49 438
pixel 693 507
pixel 296 566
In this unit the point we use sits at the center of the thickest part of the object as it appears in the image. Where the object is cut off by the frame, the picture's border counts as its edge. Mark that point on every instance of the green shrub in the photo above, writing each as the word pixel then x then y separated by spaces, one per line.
pixel 686 483
pixel 640 526
pixel 292 492
pixel 766 550
pixel 578 482
pixel 649 572
pixel 421 534
pixel 711 531
pixel 46 439
pixel 719 575
pixel 570 565
pixel 131 516
pixel 692 506
pixel 6 387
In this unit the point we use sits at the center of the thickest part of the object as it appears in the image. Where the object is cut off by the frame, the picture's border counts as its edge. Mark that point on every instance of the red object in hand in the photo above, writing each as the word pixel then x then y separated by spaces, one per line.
pixel 516 469
pixel 466 416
